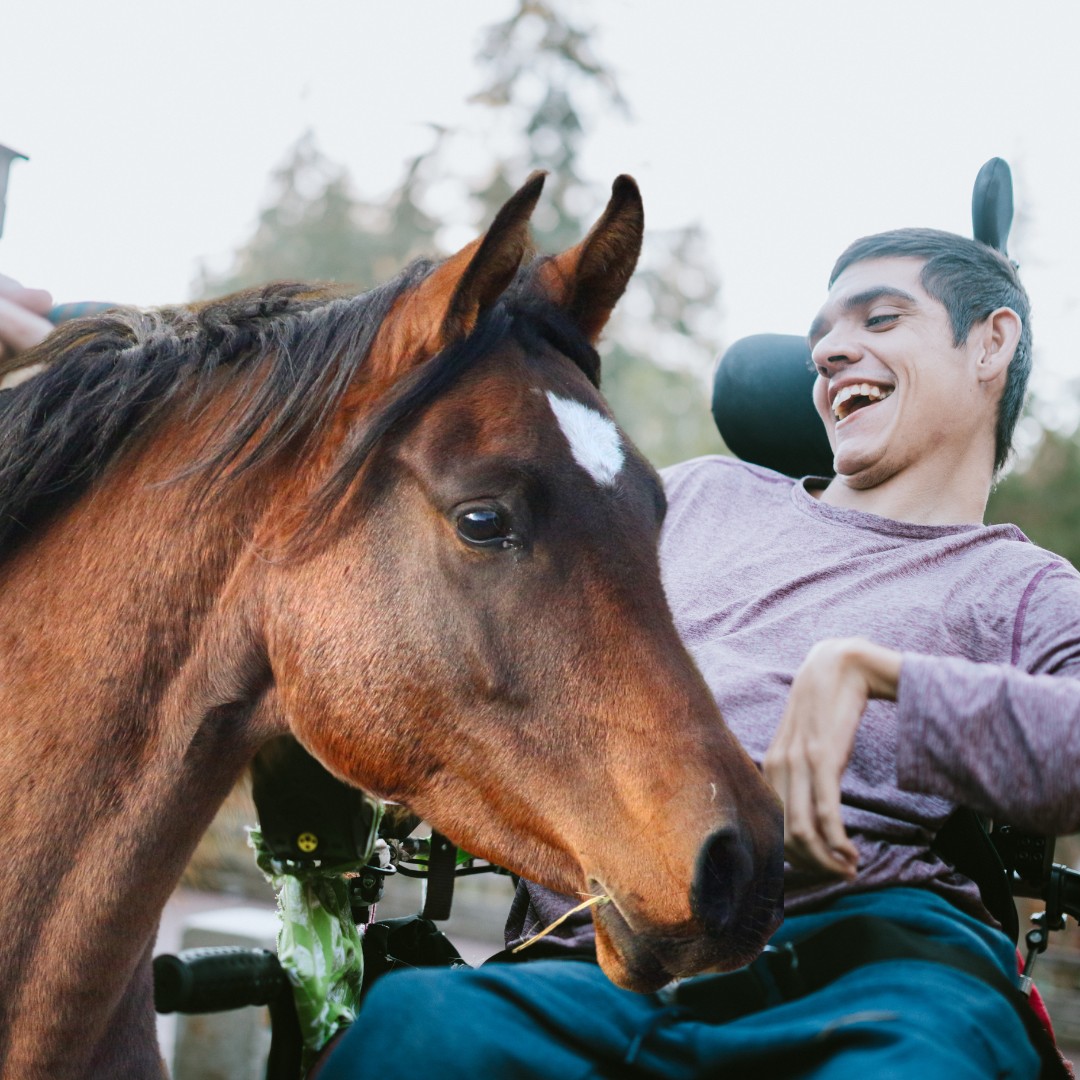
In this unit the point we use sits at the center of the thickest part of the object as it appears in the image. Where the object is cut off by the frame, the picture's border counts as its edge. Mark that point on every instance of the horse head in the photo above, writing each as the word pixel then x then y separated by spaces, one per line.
pixel 475 626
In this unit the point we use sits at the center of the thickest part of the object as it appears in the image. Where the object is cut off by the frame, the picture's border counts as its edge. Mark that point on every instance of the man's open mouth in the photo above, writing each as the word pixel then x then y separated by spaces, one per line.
pixel 858 396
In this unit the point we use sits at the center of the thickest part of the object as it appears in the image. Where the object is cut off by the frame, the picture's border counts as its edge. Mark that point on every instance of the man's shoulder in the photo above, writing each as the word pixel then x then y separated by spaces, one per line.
pixel 720 471
pixel 1006 542
pixel 1005 572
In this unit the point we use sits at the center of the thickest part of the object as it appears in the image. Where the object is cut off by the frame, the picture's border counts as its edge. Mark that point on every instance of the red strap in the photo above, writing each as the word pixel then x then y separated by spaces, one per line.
pixel 1038 1007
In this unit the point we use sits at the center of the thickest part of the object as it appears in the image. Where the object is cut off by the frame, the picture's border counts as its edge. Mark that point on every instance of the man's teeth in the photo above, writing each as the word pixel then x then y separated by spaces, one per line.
pixel 843 404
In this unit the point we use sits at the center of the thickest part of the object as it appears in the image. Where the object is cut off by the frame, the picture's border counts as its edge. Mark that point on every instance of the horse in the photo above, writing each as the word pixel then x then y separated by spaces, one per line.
pixel 400 526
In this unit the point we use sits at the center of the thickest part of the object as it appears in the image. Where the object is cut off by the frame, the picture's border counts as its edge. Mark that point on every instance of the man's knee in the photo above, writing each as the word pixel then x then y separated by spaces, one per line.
pixel 548 1018
pixel 392 1027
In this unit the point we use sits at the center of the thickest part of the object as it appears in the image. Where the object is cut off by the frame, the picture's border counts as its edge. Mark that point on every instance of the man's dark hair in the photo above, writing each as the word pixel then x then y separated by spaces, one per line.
pixel 970 280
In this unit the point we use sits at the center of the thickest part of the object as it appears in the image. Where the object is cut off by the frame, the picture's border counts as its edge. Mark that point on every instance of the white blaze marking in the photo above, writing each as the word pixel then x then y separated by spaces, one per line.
pixel 594 440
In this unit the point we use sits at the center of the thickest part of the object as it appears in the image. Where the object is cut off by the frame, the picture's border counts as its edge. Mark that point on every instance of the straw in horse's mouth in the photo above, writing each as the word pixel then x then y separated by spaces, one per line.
pixel 592 901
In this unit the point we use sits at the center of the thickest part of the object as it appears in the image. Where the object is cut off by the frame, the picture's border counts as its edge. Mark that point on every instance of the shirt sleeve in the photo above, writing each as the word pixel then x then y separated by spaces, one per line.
pixel 1003 739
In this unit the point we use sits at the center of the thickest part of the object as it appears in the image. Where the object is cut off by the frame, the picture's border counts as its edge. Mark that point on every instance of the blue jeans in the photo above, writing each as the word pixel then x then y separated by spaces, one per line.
pixel 563 1020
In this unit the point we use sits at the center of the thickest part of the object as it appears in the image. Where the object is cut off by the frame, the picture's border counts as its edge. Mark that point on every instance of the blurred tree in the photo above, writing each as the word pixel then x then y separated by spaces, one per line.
pixel 1044 498
pixel 315 228
pixel 543 75
pixel 1042 493
pixel 542 87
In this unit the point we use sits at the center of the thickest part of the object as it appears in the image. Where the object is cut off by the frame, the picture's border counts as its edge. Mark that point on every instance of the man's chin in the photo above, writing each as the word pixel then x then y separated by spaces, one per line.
pixel 862 480
pixel 857 469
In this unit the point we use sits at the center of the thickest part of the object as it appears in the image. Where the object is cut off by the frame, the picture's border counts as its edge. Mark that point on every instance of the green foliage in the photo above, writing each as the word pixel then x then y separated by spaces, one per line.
pixel 542 85
pixel 1044 498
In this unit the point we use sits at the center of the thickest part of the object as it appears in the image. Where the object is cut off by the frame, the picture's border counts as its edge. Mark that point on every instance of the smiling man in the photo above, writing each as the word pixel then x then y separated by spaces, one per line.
pixel 887 657
pixel 922 352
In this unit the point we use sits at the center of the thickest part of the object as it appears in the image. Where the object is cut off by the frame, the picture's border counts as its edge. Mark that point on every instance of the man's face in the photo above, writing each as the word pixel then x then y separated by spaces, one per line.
pixel 892 389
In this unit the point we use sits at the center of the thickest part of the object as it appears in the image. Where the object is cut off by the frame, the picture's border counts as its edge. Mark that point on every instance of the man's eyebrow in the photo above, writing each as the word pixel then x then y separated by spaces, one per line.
pixel 820 326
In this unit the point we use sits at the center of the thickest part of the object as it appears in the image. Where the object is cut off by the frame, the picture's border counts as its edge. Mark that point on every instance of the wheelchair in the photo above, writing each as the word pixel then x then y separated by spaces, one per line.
pixel 303 810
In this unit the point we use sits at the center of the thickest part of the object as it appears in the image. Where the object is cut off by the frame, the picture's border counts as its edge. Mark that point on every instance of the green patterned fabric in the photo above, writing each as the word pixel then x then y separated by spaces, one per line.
pixel 319 945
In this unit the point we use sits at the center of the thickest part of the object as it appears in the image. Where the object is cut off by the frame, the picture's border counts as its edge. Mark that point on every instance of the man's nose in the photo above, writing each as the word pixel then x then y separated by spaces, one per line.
pixel 835 349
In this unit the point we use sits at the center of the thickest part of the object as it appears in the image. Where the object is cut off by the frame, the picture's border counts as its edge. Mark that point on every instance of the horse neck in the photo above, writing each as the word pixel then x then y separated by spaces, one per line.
pixel 132 692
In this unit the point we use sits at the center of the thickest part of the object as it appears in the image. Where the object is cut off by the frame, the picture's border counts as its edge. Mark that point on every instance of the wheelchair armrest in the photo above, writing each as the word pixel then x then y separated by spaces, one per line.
pixel 224 978
pixel 216 979
pixel 964 843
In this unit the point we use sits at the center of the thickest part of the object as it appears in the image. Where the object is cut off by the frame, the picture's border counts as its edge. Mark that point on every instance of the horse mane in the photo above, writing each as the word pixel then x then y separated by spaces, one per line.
pixel 294 347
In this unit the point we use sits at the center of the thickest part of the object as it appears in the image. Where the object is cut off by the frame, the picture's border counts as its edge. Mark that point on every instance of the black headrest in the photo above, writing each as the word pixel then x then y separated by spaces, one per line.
pixel 763 407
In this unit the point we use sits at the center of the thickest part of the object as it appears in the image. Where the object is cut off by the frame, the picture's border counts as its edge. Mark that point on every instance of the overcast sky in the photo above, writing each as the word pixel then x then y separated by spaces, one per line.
pixel 785 129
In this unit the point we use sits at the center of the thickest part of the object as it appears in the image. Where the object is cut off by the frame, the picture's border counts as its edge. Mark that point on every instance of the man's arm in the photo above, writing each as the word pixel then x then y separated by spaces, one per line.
pixel 1002 739
pixel 997 739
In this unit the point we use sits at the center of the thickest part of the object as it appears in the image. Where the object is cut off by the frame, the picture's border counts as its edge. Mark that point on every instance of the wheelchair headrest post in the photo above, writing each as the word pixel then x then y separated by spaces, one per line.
pixel 992 205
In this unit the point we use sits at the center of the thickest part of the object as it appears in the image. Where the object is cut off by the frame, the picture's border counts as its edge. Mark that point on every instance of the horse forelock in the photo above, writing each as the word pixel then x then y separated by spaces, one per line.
pixel 290 351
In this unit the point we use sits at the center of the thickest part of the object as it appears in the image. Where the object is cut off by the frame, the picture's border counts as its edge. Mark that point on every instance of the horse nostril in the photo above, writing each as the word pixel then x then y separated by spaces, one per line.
pixel 725 873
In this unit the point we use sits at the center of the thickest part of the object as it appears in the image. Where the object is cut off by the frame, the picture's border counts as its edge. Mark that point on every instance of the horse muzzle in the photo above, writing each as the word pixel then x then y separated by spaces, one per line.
pixel 736 900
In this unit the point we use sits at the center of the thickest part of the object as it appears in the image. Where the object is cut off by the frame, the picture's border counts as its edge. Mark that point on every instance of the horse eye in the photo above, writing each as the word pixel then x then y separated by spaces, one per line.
pixel 484 527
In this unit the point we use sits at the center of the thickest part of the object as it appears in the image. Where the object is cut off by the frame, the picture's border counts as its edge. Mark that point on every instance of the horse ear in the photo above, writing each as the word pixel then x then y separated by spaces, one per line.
pixel 484 269
pixel 448 303
pixel 587 280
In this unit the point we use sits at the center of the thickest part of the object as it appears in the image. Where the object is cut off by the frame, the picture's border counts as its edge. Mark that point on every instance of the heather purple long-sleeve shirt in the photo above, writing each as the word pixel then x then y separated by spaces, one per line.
pixel 757 570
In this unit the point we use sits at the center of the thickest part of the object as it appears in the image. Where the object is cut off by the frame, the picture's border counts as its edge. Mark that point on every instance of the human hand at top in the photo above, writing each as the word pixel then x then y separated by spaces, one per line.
pixel 813 744
pixel 22 318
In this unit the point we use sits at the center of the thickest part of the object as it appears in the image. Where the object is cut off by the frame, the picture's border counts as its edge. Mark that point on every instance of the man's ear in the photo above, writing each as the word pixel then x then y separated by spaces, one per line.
pixel 996 338
pixel 587 280
pixel 448 303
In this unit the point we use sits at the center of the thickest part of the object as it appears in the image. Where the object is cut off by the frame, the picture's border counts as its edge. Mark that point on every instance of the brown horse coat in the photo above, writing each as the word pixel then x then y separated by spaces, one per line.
pixel 401 526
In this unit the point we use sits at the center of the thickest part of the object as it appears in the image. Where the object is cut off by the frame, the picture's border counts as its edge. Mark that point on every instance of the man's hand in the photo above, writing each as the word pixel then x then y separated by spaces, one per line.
pixel 22 318
pixel 813 744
